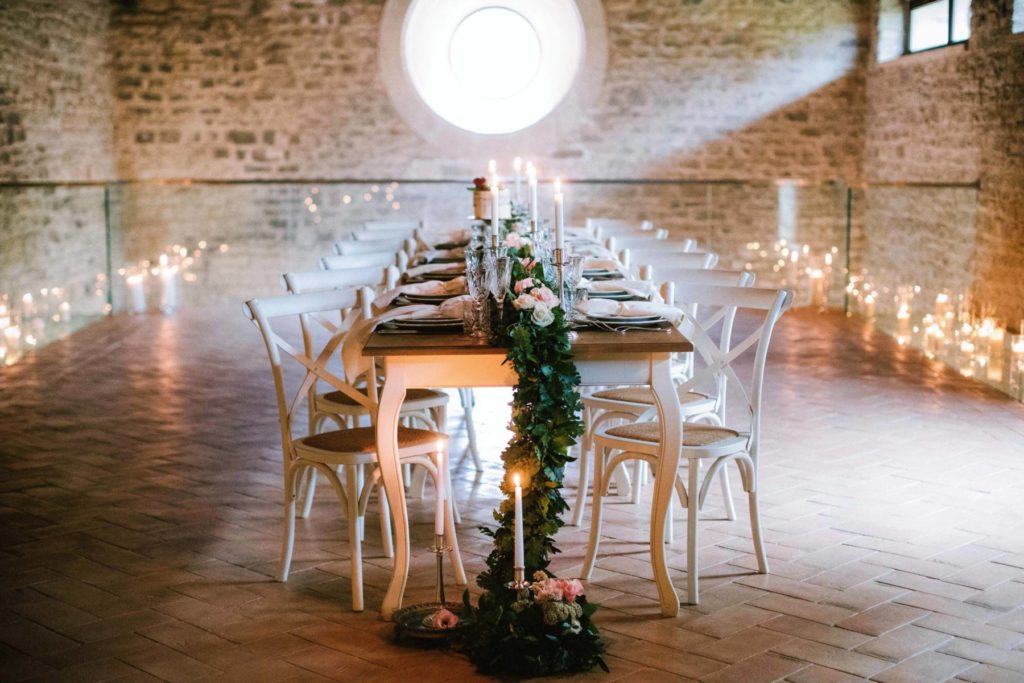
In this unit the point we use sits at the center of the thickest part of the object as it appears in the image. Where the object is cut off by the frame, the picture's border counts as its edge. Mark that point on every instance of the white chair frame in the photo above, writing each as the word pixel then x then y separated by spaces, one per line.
pixel 382 259
pixel 392 244
pixel 734 446
pixel 598 411
pixel 299 456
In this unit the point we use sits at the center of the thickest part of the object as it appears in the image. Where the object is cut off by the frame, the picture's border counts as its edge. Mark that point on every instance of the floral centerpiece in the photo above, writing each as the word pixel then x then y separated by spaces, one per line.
pixel 544 627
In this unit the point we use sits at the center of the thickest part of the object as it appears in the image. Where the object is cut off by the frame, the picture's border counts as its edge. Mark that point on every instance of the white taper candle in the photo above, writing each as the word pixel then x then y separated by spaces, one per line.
pixel 518 559
pixel 441 493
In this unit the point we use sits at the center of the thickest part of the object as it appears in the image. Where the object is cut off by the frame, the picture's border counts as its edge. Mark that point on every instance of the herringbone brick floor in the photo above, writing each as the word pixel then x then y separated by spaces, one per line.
pixel 140 503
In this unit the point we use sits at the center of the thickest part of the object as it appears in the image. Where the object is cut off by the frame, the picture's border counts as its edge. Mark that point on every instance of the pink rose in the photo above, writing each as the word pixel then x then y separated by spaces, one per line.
pixel 571 589
pixel 513 240
pixel 443 618
pixel 546 296
pixel 527 263
pixel 523 284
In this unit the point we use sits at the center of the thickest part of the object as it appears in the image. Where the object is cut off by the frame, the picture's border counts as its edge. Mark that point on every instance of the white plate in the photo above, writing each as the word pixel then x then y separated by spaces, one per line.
pixel 428 298
pixel 640 321
pixel 427 323
pixel 617 295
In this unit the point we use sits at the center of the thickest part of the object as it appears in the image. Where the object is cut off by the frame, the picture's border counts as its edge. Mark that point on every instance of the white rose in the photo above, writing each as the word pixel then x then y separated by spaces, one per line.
pixel 542 315
pixel 524 301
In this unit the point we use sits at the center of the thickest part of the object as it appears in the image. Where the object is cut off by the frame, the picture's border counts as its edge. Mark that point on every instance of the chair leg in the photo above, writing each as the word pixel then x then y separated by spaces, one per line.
pixel 670 521
pixel 453 541
pixel 288 543
pixel 638 481
pixel 730 507
pixel 354 541
pixel 600 454
pixel 755 532
pixel 584 481
pixel 417 484
pixel 387 540
pixel 692 510
pixel 467 398
pixel 309 486
pixel 360 480
pixel 456 515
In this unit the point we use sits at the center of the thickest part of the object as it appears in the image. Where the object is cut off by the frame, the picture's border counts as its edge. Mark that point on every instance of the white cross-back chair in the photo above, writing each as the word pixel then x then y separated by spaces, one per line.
pixel 394 226
pixel 344 449
pixel 658 239
pixel 426 408
pixel 389 244
pixel 619 405
pixel 375 234
pixel 383 259
pixel 668 256
pixel 716 444
pixel 373 277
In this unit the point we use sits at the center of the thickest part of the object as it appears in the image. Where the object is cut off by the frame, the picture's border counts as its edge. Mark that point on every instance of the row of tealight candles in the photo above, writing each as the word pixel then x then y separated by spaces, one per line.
pixel 27 321
pixel 808 272
pixel 161 279
pixel 946 328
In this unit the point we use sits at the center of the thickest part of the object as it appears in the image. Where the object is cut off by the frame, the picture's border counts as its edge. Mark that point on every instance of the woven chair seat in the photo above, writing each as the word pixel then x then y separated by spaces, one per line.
pixel 694 435
pixel 410 395
pixel 364 439
pixel 645 395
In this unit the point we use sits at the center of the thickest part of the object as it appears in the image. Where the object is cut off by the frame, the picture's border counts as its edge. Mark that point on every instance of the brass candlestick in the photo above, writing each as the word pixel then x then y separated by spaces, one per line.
pixel 439 550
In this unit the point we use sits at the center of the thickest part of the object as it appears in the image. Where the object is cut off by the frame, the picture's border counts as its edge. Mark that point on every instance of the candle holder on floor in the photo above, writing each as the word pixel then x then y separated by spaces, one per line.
pixel 436 622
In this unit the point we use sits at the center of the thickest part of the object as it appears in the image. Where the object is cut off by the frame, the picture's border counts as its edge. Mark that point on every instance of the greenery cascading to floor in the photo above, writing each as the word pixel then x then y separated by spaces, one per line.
pixel 547 628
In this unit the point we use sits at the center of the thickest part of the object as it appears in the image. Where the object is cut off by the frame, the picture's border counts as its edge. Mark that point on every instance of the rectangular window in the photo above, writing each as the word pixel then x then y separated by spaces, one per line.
pixel 1018 16
pixel 935 23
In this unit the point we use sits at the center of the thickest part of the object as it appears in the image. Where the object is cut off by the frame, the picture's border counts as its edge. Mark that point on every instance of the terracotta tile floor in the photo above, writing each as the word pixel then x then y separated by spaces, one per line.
pixel 140 504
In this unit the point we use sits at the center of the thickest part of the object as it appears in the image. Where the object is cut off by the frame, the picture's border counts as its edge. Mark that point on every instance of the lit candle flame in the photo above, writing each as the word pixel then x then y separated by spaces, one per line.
pixel 531 170
pixel 517 164
pixel 558 185
pixel 515 479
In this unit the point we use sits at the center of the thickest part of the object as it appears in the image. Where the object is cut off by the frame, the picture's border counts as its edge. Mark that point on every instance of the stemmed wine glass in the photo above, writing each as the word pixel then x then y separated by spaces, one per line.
pixel 499 276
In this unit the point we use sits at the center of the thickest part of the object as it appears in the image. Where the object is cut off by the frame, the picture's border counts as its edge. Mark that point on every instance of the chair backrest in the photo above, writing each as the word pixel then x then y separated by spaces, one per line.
pixel 398 225
pixel 370 235
pixel 658 239
pixel 377 260
pixel 391 244
pixel 719 278
pixel 669 257
pixel 337 278
pixel 717 359
pixel 302 306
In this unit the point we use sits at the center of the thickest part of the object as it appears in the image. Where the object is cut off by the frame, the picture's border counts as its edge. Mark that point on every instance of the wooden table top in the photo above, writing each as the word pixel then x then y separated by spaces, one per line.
pixel 590 342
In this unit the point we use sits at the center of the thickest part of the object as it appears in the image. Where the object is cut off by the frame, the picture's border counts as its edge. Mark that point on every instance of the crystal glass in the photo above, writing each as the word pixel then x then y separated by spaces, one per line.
pixel 499 276
pixel 572 273
pixel 474 313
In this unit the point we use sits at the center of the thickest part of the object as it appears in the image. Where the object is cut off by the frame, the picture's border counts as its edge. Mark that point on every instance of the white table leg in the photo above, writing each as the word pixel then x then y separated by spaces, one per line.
pixel 391 397
pixel 667 401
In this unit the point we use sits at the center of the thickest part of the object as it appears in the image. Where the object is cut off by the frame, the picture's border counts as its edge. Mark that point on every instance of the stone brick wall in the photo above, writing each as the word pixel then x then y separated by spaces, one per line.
pixel 725 89
pixel 950 118
pixel 56 113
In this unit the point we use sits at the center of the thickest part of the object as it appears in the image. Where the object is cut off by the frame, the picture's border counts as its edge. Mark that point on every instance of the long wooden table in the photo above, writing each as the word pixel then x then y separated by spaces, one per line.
pixel 602 358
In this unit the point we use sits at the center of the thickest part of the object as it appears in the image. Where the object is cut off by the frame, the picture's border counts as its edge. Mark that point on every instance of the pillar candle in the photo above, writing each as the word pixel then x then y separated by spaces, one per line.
pixel 441 494
pixel 531 175
pixel 495 208
pixel 518 166
pixel 519 558
pixel 559 227
pixel 137 292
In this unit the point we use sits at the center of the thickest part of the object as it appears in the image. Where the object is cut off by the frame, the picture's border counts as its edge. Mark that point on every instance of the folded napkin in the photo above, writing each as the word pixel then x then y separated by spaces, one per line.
pixel 452 308
pixel 636 287
pixel 454 286
pixel 428 238
pixel 431 255
pixel 433 268
pixel 607 307
pixel 601 264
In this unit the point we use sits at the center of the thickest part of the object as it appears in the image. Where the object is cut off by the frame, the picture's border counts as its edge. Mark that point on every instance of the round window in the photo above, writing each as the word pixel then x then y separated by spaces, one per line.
pixel 490 67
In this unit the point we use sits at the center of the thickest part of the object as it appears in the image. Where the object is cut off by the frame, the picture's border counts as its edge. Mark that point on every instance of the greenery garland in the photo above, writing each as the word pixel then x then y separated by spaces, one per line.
pixel 546 629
